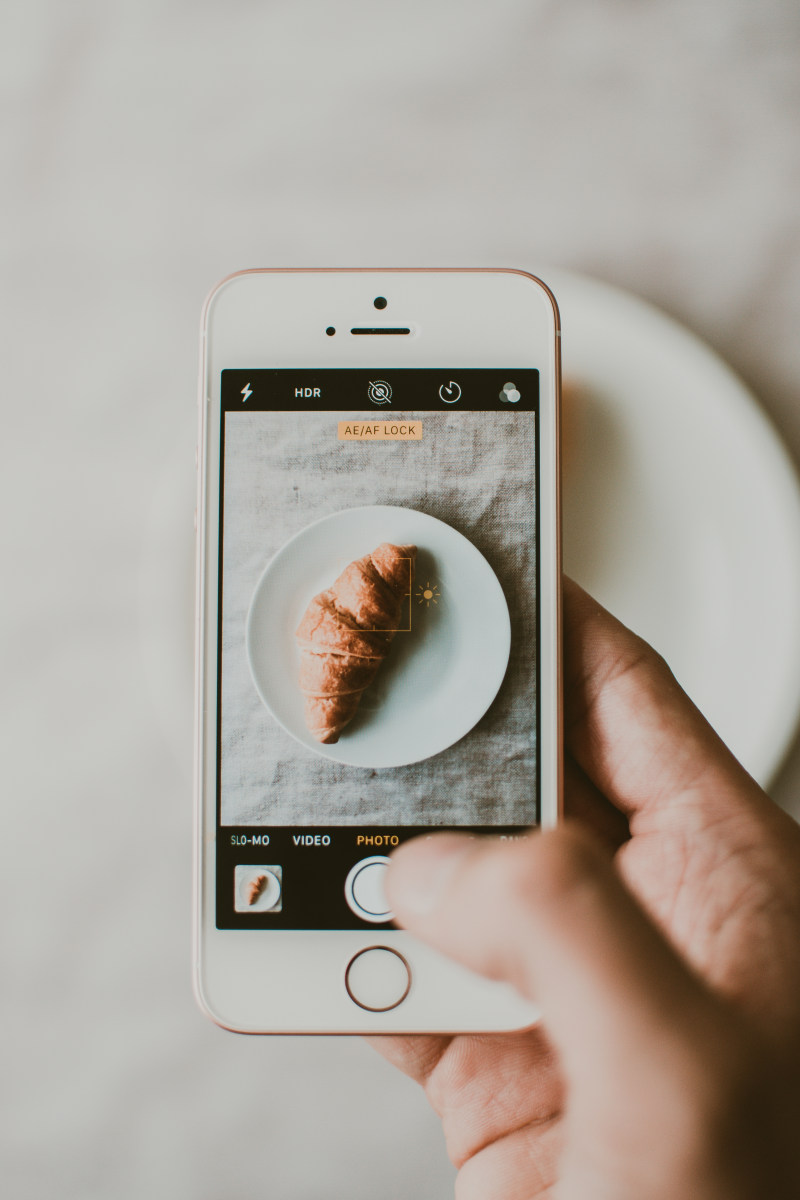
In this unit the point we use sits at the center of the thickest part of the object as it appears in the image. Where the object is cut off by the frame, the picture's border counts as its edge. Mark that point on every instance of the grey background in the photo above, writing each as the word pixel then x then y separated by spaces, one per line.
pixel 474 474
pixel 149 148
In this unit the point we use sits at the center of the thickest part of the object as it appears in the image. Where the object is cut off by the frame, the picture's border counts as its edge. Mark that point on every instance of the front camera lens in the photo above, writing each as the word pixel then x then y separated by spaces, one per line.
pixel 381 302
pixel 330 331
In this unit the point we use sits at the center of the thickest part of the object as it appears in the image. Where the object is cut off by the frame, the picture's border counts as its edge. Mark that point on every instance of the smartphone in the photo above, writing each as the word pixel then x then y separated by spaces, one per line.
pixel 378 654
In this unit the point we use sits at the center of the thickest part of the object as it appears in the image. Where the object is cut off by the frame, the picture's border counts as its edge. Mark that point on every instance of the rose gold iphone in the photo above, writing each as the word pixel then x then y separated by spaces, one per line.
pixel 377 628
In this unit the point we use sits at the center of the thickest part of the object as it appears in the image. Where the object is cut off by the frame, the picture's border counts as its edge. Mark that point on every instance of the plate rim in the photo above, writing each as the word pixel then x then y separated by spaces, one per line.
pixel 744 411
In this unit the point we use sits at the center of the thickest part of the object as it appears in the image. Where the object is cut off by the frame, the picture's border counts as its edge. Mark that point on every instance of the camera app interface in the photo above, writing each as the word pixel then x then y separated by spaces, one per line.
pixel 378 629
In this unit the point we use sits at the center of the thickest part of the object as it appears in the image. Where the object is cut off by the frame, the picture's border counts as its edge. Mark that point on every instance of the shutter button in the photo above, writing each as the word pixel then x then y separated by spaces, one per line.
pixel 364 892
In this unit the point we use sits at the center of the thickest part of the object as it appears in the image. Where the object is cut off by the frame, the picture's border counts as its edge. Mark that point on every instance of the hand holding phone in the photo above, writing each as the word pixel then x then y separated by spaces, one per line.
pixel 665 958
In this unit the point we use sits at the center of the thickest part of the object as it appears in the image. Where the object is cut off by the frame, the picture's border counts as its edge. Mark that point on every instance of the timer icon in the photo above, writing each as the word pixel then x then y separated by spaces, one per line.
pixel 450 392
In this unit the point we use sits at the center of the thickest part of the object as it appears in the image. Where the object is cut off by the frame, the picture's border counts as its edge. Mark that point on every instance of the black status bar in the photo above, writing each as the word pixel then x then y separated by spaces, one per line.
pixel 484 389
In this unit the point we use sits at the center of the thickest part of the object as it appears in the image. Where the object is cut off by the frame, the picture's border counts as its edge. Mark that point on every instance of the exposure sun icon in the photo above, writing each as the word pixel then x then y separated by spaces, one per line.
pixel 428 595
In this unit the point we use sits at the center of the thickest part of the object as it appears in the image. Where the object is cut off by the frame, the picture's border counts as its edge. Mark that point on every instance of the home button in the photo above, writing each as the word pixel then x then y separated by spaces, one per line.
pixel 377 979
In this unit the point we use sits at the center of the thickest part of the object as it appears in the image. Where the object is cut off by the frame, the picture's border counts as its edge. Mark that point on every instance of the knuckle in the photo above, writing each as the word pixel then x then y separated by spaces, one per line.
pixel 635 661
pixel 660 666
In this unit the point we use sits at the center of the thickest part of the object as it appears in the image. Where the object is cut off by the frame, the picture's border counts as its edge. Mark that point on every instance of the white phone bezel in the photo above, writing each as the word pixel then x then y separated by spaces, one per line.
pixel 285 981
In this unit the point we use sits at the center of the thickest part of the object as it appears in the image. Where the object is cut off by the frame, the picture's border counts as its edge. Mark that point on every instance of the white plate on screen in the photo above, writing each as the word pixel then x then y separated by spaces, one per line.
pixel 267 899
pixel 682 512
pixel 438 679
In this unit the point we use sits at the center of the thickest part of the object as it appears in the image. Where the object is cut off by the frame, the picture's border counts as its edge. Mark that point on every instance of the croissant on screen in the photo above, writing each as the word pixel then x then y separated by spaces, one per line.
pixel 255 888
pixel 346 633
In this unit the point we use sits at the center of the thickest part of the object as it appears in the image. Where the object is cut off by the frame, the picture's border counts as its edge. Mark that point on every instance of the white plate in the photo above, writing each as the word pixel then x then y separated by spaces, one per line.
pixel 682 513
pixel 437 681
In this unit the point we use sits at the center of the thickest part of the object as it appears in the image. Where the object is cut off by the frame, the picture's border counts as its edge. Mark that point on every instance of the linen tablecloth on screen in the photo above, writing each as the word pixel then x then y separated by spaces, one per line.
pixel 470 470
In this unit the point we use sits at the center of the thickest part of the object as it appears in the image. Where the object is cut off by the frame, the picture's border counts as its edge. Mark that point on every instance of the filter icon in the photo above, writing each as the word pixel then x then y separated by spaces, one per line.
pixel 509 394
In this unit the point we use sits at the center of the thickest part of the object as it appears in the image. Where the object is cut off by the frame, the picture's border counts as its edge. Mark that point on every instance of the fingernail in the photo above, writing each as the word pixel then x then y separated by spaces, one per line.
pixel 420 871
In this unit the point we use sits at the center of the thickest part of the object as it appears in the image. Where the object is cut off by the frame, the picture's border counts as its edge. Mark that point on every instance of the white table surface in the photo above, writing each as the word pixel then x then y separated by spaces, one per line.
pixel 148 150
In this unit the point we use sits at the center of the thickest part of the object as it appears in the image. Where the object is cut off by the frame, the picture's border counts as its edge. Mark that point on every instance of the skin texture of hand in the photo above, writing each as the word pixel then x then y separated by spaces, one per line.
pixel 663 949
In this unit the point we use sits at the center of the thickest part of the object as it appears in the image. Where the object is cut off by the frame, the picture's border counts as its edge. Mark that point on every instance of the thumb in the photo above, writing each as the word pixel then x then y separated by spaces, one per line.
pixel 549 915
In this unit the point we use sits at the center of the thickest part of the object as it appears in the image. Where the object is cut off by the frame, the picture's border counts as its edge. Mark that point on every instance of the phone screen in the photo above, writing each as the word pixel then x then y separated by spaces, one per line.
pixel 378 629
